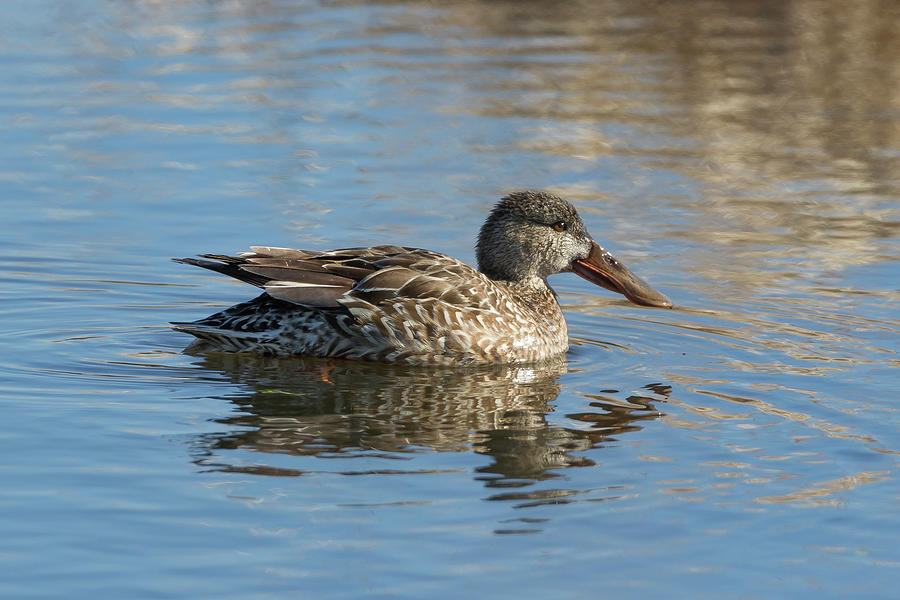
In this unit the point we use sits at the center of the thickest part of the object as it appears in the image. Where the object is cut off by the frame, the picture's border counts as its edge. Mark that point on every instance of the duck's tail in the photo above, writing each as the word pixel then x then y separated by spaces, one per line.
pixel 213 339
pixel 245 327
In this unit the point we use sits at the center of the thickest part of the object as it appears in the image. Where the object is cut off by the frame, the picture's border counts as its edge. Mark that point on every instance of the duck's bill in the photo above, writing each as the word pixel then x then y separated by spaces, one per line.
pixel 602 269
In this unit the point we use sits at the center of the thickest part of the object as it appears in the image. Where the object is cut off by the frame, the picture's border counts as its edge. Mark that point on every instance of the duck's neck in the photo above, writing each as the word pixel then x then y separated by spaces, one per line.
pixel 535 293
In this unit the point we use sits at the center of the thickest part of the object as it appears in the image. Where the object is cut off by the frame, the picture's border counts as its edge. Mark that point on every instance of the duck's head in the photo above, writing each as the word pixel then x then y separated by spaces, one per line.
pixel 530 235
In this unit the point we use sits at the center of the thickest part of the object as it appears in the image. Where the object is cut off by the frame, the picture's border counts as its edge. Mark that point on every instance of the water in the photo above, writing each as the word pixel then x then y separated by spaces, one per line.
pixel 742 157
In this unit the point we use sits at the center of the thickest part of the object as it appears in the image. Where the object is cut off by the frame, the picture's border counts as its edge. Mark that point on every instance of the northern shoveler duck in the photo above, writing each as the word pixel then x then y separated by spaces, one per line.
pixel 413 306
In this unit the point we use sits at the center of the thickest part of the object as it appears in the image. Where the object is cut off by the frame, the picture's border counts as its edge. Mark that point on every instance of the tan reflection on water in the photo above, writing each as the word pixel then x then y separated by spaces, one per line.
pixel 819 494
pixel 748 74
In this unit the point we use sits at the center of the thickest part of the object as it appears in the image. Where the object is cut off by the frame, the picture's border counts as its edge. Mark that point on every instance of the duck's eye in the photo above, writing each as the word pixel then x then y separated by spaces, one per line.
pixel 560 226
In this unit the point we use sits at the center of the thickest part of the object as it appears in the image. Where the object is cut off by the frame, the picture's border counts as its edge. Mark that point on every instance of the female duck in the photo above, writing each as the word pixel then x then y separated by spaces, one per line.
pixel 413 306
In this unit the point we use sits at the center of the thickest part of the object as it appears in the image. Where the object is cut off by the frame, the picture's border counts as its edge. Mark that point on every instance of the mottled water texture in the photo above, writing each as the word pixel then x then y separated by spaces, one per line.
pixel 741 156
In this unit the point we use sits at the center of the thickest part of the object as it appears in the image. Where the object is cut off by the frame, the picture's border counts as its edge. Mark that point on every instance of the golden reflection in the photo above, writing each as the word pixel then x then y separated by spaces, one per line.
pixel 752 80
pixel 820 494
pixel 329 409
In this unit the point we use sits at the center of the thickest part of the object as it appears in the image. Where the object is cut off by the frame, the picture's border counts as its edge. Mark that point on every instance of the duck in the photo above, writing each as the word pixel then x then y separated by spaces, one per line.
pixel 404 305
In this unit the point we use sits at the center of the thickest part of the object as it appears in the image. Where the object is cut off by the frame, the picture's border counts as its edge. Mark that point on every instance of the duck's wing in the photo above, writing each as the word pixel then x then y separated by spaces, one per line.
pixel 378 275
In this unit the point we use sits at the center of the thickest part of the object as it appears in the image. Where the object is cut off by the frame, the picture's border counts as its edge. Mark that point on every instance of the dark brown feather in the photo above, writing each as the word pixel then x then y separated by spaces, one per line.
pixel 354 273
pixel 289 253
pixel 317 277
pixel 231 269
pixel 386 279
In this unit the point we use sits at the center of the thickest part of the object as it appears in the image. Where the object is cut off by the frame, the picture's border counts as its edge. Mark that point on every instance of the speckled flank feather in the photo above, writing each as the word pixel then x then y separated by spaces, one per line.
pixel 407 305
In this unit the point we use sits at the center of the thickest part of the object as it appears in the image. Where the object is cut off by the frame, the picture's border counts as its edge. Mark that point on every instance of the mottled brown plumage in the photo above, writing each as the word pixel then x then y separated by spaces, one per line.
pixel 414 306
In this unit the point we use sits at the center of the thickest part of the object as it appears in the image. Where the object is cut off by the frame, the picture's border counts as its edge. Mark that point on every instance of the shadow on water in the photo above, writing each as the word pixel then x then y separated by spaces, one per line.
pixel 344 409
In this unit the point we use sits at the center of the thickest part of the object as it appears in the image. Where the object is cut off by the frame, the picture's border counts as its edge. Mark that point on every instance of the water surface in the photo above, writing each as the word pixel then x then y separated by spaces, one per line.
pixel 742 157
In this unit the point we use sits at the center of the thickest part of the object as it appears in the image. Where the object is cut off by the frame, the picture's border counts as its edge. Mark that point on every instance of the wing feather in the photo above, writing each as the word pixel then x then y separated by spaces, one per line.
pixel 375 276
pixel 306 294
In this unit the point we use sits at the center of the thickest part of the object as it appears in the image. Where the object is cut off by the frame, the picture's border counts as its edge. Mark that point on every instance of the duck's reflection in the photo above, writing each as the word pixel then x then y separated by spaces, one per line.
pixel 304 407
